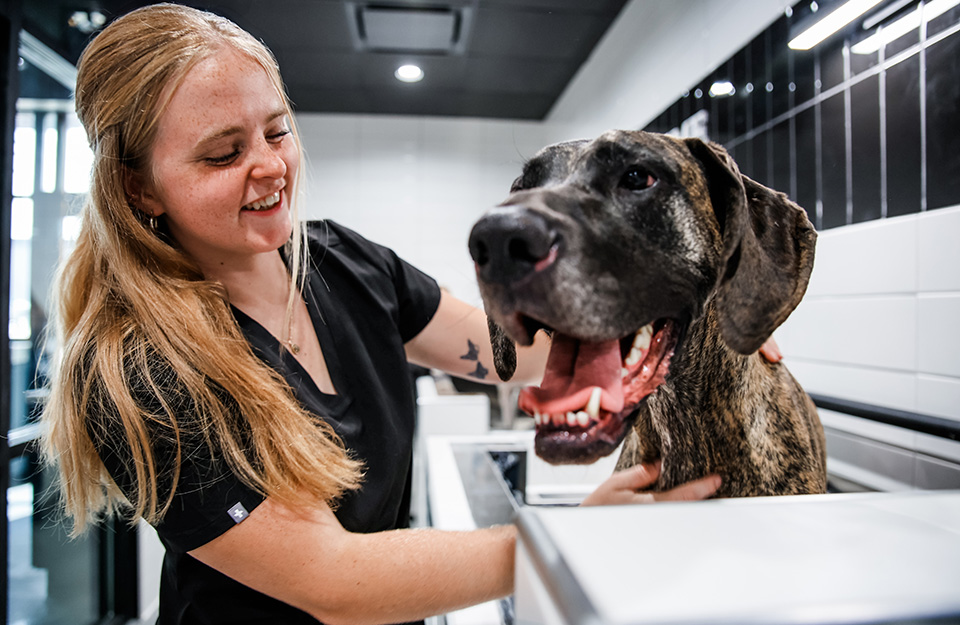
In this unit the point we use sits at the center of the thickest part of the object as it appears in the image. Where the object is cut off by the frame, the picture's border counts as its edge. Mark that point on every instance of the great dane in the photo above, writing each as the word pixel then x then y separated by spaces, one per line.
pixel 658 269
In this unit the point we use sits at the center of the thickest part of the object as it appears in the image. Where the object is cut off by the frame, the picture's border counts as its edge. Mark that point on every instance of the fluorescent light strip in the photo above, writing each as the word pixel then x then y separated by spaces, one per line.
pixel 831 23
pixel 902 26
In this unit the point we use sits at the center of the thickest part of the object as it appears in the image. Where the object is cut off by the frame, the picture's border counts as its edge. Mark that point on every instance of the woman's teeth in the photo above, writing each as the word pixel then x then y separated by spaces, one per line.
pixel 266 203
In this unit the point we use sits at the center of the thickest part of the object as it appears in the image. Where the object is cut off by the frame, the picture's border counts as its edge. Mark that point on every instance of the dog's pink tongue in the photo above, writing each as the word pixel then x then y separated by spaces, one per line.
pixel 573 369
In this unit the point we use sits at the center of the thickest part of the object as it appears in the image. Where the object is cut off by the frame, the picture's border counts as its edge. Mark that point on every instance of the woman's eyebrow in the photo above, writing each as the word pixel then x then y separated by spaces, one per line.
pixel 233 130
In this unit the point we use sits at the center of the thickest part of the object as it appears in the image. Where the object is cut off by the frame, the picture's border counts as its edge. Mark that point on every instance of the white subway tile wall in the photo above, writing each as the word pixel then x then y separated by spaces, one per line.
pixel 880 322
pixel 938 251
pixel 415 184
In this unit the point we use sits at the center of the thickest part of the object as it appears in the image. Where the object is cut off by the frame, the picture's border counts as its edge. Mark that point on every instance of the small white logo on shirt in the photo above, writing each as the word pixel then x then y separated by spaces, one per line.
pixel 238 512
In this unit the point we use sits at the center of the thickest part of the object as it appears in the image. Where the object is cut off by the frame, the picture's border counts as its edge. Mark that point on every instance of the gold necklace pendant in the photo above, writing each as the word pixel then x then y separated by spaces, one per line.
pixel 293 347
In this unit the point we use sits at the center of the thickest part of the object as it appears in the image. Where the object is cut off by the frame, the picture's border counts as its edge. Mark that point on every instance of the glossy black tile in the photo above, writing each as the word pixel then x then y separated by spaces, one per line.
pixel 781 169
pixel 904 155
pixel 831 63
pixel 865 150
pixel 943 123
pixel 759 79
pixel 834 164
pixel 942 22
pixel 806 138
pixel 803 76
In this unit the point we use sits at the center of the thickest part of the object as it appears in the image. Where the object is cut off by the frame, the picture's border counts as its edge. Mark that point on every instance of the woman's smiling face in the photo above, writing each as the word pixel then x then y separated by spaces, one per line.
pixel 224 162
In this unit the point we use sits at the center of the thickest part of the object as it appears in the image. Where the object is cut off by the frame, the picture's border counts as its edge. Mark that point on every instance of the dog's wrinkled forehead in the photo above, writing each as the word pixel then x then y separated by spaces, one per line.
pixel 551 165
pixel 609 152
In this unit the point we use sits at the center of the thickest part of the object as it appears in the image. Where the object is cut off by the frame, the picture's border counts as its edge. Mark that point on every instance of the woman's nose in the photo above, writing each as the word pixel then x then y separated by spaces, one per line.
pixel 268 161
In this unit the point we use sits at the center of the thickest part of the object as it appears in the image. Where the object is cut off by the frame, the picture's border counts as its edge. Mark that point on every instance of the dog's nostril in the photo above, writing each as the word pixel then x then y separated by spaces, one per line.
pixel 519 249
pixel 480 253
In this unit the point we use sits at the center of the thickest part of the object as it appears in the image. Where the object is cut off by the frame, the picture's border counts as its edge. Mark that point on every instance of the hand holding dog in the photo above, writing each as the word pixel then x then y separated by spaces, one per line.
pixel 623 487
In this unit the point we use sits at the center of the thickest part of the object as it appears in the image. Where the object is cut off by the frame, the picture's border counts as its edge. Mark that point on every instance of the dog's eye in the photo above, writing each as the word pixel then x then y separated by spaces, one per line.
pixel 637 179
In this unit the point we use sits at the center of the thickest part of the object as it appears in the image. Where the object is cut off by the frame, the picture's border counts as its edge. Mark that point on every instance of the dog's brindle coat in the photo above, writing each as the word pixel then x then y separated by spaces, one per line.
pixel 599 238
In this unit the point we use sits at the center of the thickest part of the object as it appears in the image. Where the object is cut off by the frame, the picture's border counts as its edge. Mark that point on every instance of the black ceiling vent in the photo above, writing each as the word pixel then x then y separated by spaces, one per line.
pixel 393 28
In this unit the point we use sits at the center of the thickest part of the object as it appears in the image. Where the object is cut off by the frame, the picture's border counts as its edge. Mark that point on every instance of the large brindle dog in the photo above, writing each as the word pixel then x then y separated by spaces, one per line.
pixel 659 270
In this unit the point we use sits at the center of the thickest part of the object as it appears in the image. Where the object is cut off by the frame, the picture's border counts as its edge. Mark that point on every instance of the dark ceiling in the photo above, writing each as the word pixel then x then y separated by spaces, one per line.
pixel 481 58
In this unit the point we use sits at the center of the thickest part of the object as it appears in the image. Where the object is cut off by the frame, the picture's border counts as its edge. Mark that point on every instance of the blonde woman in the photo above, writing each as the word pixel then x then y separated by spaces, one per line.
pixel 238 380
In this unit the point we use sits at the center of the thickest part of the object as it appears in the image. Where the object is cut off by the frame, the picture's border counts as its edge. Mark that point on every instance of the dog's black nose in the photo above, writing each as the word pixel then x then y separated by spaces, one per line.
pixel 509 243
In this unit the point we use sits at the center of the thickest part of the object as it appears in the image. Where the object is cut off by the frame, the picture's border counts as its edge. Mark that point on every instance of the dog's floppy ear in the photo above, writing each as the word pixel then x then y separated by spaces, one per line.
pixel 768 248
pixel 504 351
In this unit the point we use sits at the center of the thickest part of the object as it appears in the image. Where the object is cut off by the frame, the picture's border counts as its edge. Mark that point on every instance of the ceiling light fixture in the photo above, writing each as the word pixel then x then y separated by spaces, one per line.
pixel 831 23
pixel 409 73
pixel 722 88
pixel 902 26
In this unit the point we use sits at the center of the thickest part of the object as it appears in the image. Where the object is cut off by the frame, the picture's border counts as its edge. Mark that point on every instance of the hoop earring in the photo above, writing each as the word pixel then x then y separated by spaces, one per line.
pixel 152 223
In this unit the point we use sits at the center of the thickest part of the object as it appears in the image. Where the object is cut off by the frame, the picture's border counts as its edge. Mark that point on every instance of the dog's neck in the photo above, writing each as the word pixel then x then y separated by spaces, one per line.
pixel 692 413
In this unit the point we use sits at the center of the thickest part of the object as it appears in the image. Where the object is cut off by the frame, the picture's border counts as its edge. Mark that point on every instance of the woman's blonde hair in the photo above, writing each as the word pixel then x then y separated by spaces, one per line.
pixel 127 299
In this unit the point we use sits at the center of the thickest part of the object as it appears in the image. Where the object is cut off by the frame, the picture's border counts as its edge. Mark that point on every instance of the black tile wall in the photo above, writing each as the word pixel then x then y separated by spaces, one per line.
pixel 943 122
pixel 943 22
pixel 865 150
pixel 782 170
pixel 806 195
pixel 904 152
pixel 850 137
pixel 833 193
pixel 831 63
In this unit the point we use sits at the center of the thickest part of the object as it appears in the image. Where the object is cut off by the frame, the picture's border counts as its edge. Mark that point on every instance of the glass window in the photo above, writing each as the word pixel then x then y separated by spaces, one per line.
pixel 24 154
pixel 79 157
pixel 51 139
pixel 52 580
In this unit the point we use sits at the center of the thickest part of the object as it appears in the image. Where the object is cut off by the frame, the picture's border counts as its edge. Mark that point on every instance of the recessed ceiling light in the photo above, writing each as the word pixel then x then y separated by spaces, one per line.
pixel 722 88
pixel 409 73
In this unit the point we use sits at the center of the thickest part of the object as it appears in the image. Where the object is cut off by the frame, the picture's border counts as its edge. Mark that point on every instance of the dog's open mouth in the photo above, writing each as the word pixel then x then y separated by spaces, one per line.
pixel 590 391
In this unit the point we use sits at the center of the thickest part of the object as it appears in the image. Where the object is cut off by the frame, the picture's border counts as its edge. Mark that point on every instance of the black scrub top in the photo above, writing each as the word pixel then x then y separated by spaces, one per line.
pixel 365 303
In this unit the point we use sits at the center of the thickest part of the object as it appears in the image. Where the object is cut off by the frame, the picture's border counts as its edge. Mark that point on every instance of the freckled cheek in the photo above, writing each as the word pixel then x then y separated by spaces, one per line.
pixel 291 158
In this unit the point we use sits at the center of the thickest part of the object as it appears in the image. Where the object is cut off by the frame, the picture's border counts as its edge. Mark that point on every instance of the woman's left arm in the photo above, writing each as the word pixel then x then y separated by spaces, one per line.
pixel 457 341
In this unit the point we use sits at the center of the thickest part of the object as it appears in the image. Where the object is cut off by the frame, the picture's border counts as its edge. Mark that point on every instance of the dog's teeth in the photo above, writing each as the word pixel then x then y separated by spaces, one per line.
pixel 641 340
pixel 593 406
pixel 559 419
pixel 571 419
pixel 624 372
pixel 641 343
pixel 583 419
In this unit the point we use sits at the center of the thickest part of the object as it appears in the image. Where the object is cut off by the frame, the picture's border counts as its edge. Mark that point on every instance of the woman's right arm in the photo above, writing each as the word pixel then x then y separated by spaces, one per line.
pixel 307 559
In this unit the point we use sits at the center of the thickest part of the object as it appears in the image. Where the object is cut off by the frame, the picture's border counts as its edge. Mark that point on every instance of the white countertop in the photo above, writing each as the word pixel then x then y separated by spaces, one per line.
pixel 848 558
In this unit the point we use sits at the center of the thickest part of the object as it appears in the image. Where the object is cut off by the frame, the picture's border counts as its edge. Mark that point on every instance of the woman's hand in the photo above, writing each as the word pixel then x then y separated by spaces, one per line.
pixel 622 488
